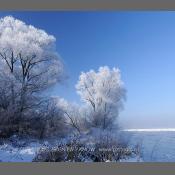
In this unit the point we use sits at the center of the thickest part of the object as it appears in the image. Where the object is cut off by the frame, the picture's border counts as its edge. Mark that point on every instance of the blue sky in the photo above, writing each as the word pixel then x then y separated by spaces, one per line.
pixel 141 44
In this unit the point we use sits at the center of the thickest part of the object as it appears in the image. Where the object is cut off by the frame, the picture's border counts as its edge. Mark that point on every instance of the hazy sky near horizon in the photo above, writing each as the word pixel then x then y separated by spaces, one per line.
pixel 140 44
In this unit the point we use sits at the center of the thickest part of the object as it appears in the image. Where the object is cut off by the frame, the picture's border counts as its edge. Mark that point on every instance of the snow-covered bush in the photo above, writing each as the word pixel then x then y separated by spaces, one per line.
pixel 100 147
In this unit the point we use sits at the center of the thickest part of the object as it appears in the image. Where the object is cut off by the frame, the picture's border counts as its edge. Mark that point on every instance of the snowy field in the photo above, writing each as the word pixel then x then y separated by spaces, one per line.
pixel 154 145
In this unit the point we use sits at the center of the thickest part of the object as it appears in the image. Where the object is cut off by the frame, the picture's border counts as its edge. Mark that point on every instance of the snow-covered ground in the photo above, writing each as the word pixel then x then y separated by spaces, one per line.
pixel 154 145
pixel 18 153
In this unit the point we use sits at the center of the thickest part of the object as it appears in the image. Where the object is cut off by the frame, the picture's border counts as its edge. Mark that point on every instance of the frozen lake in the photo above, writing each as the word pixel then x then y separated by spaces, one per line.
pixel 156 145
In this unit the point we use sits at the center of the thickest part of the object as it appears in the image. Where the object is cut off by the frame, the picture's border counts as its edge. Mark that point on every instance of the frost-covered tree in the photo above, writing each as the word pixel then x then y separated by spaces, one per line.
pixel 72 113
pixel 29 63
pixel 104 92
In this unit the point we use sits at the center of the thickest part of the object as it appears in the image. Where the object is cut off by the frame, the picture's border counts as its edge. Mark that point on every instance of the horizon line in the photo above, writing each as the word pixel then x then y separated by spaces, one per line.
pixel 150 130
